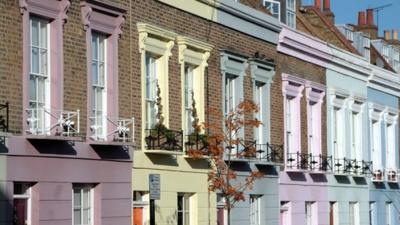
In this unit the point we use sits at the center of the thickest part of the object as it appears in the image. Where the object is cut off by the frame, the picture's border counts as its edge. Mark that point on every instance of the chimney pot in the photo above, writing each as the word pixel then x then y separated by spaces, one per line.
pixel 327 5
pixel 395 35
pixel 361 18
pixel 317 4
pixel 386 35
pixel 370 16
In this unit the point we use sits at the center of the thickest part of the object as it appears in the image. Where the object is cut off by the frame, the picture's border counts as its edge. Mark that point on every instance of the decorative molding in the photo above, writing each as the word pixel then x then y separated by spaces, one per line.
pixel 53 9
pixel 155 39
pixel 233 64
pixel 292 86
pixel 103 17
pixel 193 49
pixel 262 71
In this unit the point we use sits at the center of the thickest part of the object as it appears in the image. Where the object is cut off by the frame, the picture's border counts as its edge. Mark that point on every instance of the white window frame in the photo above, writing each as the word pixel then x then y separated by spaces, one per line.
pixel 188 91
pixel 354 213
pixel 271 8
pixel 151 90
pixel 255 209
pixel 289 13
pixel 91 196
pixel 372 213
pixel 389 213
pixel 185 196
pixel 311 213
pixel 28 196
pixel 99 125
pixel 334 206
pixel 260 101
pixel 391 146
pixel 39 119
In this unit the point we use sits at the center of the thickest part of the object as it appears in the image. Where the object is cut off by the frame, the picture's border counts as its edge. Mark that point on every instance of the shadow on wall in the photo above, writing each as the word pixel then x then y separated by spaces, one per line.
pixel 318 178
pixel 297 176
pixel 112 152
pixel 6 207
pixel 268 170
pixel 55 147
pixel 342 179
pixel 360 180
pixel 166 160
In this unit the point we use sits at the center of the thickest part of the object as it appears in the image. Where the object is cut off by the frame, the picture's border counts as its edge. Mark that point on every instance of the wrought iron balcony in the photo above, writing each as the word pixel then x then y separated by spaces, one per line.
pixel 352 167
pixel 298 161
pixel 392 175
pixel 112 130
pixel 321 163
pixel 269 153
pixel 164 139
pixel 52 122
pixel 4 117
pixel 197 142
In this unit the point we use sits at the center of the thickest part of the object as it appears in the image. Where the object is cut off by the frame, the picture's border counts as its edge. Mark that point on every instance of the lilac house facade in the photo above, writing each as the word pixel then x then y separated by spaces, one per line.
pixel 65 155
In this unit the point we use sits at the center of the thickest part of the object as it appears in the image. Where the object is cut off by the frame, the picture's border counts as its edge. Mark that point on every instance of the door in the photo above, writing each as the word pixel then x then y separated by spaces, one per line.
pixel 20 212
pixel 137 216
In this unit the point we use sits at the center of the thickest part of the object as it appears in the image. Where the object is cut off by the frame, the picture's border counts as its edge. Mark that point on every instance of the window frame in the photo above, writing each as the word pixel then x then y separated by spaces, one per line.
pixel 255 204
pixel 111 18
pixel 273 2
pixel 186 198
pixel 193 54
pixel 315 94
pixel 28 196
pixel 81 188
pixel 56 13
pixel 291 12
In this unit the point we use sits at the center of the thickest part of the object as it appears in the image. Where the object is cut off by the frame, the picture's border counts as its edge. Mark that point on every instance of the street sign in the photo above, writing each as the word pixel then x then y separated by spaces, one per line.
pixel 154 186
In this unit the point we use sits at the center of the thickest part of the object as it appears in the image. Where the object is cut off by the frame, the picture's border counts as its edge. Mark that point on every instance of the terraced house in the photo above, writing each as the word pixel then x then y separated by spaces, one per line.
pixel 100 102
pixel 65 149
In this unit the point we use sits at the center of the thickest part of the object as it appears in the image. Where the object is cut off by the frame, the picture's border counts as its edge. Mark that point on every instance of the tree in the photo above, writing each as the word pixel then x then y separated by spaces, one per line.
pixel 225 143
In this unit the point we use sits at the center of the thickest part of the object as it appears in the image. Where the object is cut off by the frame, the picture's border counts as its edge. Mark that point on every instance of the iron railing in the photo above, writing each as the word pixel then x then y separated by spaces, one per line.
pixel 44 121
pixel 164 139
pixel 197 142
pixel 112 129
pixel 321 163
pixel 353 167
pixel 269 153
pixel 299 161
pixel 303 161
pixel 4 117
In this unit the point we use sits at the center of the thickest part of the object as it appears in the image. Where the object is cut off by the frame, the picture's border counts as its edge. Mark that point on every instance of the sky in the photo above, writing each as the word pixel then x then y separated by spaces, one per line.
pixel 346 11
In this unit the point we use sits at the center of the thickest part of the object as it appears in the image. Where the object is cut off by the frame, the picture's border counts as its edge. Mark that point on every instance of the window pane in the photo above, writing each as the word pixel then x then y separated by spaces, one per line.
pixel 86 216
pixel 101 73
pixel 86 198
pixel 180 203
pixel 35 60
pixel 41 89
pixel 34 32
pixel 94 47
pixel 187 218
pixel 32 89
pixel 77 217
pixel 43 34
pixel 94 72
pixel 43 62
pixel 77 198
pixel 101 48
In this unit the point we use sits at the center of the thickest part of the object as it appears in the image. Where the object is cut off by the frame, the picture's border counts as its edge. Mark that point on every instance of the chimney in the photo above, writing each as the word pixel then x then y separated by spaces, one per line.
pixel 327 5
pixel 367 27
pixel 327 11
pixel 361 18
pixel 317 4
pixel 370 17
pixel 395 35
pixel 386 35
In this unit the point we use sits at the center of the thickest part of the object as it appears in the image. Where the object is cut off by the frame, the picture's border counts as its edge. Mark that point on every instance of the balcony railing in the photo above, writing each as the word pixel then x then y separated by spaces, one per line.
pixel 52 122
pixel 321 163
pixel 353 167
pixel 164 139
pixel 302 161
pixel 298 161
pixel 392 175
pixel 269 153
pixel 109 129
pixel 197 142
pixel 4 117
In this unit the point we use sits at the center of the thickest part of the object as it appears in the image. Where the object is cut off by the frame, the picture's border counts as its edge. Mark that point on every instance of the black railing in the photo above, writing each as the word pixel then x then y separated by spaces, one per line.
pixel 4 117
pixel 269 153
pixel 197 142
pixel 164 139
pixel 302 161
pixel 321 163
pixel 299 161
pixel 353 167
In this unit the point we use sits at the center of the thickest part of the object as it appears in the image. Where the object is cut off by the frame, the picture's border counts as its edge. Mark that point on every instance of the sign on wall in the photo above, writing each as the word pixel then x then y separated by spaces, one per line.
pixel 154 186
